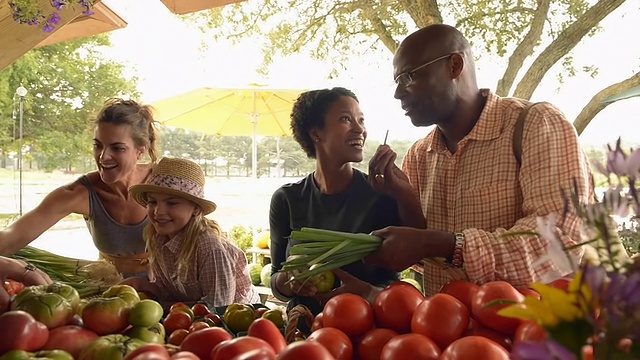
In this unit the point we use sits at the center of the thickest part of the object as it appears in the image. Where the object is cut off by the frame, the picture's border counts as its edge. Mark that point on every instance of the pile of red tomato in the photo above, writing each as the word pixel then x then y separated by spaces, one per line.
pixel 460 322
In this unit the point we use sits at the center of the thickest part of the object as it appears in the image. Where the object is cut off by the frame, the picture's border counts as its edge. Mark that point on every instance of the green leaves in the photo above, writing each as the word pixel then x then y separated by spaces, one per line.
pixel 66 83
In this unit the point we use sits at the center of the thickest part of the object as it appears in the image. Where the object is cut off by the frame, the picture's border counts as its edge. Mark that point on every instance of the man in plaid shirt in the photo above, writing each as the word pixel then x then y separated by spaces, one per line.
pixel 472 189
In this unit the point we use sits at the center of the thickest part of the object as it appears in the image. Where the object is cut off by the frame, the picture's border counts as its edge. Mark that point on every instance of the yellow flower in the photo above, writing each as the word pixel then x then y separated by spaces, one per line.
pixel 583 295
pixel 553 307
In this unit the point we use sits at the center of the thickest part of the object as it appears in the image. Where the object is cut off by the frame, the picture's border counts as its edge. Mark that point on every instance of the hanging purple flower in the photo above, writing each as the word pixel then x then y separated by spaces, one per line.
pixel 87 7
pixel 54 19
pixel 47 28
pixel 33 13
pixel 58 4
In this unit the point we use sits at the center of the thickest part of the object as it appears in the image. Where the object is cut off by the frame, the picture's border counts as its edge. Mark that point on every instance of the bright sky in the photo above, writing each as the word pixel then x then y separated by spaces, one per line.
pixel 165 54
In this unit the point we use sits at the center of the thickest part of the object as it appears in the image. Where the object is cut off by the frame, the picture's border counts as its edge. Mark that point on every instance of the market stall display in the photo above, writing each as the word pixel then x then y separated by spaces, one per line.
pixel 460 321
pixel 464 320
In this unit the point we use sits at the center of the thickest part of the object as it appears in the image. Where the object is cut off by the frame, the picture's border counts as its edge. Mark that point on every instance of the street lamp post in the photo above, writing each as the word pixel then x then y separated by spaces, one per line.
pixel 21 92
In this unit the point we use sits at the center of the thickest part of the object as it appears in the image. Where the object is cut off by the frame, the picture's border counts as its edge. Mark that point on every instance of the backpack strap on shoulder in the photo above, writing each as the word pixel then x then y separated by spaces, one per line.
pixel 517 133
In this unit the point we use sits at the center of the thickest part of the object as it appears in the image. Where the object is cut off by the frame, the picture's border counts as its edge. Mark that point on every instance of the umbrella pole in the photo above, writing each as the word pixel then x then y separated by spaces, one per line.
pixel 254 168
pixel 254 148
pixel 254 158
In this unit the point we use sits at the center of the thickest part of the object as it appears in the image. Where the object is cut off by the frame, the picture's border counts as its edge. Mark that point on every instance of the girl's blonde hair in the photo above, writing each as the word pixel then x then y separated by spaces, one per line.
pixel 198 225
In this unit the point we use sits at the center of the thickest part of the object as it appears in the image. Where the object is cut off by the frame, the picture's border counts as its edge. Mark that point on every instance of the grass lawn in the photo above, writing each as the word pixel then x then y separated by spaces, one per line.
pixel 240 200
pixel 35 185
pixel 35 177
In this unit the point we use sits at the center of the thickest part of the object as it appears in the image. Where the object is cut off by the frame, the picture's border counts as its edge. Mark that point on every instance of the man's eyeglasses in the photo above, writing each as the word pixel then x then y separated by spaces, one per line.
pixel 405 78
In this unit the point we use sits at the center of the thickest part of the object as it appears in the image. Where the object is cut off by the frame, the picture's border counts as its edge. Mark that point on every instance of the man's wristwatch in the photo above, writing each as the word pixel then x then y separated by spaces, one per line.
pixel 456 259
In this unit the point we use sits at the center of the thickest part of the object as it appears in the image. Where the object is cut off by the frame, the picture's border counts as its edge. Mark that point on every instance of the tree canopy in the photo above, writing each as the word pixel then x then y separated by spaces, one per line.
pixel 540 32
pixel 66 83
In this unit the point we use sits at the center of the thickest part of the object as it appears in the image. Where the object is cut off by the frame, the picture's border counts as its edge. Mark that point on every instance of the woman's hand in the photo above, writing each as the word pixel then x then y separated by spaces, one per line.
pixel 299 287
pixel 349 284
pixel 19 271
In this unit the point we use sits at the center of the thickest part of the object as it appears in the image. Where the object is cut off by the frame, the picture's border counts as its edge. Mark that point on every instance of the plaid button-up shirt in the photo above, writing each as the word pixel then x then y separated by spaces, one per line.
pixel 481 191
pixel 218 274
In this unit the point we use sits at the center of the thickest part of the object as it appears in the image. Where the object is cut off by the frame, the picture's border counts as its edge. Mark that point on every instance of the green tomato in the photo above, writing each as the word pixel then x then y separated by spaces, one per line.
pixel 41 355
pixel 323 281
pixel 158 328
pixel 54 305
pixel 53 355
pixel 117 290
pixel 185 309
pixel 145 313
pixel 148 335
pixel 110 347
pixel 81 305
pixel 125 292
pixel 275 316
pixel 15 355
pixel 238 317
pixel 106 315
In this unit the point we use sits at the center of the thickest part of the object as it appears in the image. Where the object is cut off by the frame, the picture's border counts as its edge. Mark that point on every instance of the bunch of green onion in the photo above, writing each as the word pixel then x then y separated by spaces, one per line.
pixel 88 277
pixel 327 250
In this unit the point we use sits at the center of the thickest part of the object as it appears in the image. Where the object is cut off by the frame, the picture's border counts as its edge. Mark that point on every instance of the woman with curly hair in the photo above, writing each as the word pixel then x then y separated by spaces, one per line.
pixel 329 126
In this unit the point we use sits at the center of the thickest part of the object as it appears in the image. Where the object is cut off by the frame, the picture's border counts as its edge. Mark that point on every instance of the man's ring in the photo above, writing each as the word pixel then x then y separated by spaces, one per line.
pixel 379 178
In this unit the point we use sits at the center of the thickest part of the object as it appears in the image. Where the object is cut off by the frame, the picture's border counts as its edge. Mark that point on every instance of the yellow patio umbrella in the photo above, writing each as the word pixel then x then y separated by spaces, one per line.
pixel 252 111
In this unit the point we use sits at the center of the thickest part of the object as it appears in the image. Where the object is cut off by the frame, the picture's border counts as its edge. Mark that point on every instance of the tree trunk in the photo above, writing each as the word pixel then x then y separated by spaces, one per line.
pixel 423 12
pixel 379 28
pixel 596 104
pixel 524 49
pixel 564 43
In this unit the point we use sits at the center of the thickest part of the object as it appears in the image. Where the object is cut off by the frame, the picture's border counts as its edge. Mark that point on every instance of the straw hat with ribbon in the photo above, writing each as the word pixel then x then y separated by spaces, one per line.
pixel 178 177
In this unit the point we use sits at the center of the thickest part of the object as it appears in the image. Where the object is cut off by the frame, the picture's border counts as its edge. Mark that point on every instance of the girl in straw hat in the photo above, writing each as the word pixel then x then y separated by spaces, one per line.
pixel 190 258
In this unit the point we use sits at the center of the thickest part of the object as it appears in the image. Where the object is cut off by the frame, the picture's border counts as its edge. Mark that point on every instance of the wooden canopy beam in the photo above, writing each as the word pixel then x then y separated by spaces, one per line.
pixel 188 6
pixel 17 39
pixel 103 20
